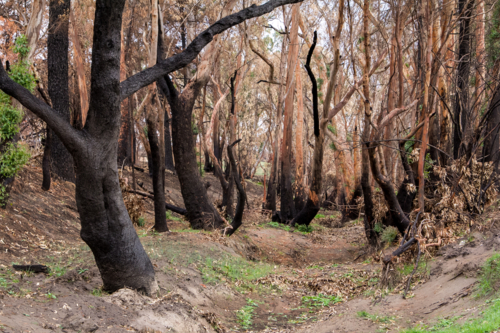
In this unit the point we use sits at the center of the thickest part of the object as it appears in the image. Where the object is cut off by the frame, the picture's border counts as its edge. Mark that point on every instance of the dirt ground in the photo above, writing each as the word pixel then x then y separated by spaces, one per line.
pixel 262 279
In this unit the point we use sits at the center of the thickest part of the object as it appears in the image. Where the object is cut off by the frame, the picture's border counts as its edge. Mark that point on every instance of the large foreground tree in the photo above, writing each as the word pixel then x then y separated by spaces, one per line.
pixel 106 225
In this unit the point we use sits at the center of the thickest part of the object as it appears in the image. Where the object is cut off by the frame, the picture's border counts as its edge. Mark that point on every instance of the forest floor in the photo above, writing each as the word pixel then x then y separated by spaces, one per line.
pixel 264 278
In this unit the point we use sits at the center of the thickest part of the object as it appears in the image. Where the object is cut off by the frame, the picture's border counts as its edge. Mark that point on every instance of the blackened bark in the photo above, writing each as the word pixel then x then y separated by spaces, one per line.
pixel 158 178
pixel 491 143
pixel 46 160
pixel 242 196
pixel 399 218
pixel 460 112
pixel 312 206
pixel 368 219
pixel 228 192
pixel 169 158
pixel 57 62
pixel 150 164
pixel 208 164
pixel 124 141
pixel 106 225
pixel 405 196
pixel 201 213
pixel 270 203
pixel 352 212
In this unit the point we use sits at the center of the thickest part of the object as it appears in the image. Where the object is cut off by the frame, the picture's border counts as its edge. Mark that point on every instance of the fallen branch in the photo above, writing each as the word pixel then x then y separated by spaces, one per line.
pixel 31 268
pixel 175 209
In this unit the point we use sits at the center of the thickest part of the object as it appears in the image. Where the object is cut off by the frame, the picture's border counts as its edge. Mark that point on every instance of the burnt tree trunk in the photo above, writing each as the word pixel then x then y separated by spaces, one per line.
pixel 58 80
pixel 200 211
pixel 169 158
pixel 158 177
pixel 105 224
pixel 46 160
pixel 460 112
pixel 242 196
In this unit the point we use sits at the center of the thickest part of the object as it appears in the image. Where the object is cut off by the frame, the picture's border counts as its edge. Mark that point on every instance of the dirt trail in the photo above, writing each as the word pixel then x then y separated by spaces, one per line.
pixel 262 279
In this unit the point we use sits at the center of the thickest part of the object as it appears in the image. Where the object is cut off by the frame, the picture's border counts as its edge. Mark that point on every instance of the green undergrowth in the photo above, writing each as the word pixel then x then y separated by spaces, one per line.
pixel 233 269
pixel 245 314
pixel 320 300
pixel 489 281
pixel 488 321
pixel 215 264
pixel 281 226
pixel 302 228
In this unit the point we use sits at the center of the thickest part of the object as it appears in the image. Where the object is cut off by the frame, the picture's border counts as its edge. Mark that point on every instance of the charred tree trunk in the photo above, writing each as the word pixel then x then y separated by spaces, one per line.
pixel 158 177
pixel 105 224
pixel 287 205
pixel 461 100
pixel 46 160
pixel 57 62
pixel 201 213
pixel 491 149
pixel 369 222
pixel 242 196
pixel 169 158
pixel 312 206
pixel 405 195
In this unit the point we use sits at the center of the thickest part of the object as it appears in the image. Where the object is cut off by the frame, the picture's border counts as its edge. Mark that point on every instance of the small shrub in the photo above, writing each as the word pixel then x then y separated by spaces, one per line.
pixel 378 228
pixel 305 229
pixel 489 282
pixel 141 221
pixel 245 314
pixel 319 216
pixel 389 235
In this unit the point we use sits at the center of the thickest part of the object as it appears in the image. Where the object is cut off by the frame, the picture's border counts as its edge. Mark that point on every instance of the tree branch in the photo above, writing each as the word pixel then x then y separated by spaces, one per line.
pixel 314 85
pixel 180 60
pixel 72 138
pixel 336 109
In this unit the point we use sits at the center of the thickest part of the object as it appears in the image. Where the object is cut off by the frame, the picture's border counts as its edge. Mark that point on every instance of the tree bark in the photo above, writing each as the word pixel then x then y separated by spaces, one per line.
pixel 126 128
pixel 462 131
pixel 287 205
pixel 34 25
pixel 46 160
pixel 201 213
pixel 57 61
pixel 158 176
pixel 169 158
pixel 300 195
pixel 242 196
pixel 369 222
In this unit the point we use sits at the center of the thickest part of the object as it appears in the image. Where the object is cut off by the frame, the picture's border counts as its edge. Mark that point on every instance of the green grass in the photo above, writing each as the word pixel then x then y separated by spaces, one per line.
pixel 489 281
pixel 232 268
pixel 171 217
pixel 305 229
pixel 489 321
pixel 98 292
pixel 320 300
pixel 245 314
pixel 375 318
pixel 278 225
pixel 319 216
